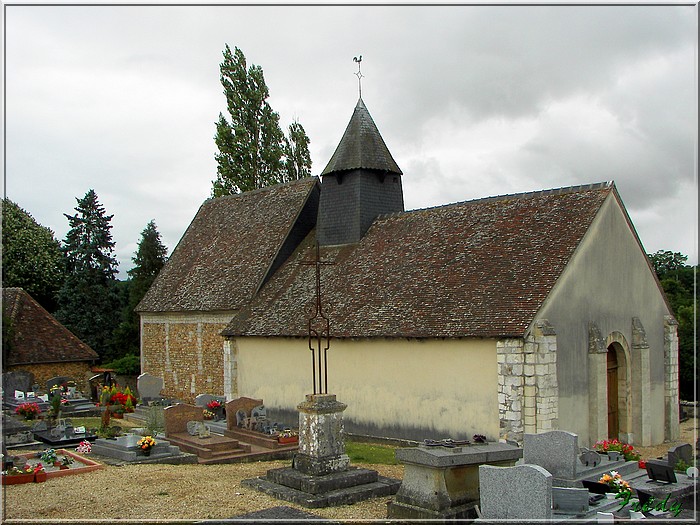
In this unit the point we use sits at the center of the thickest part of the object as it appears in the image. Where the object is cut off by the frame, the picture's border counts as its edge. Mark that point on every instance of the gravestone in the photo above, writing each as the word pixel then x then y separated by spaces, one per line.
pixel 555 451
pixel 202 400
pixel 177 416
pixel 522 492
pixel 567 500
pixel 17 380
pixel 57 381
pixel 149 387
pixel 244 404
pixel 682 452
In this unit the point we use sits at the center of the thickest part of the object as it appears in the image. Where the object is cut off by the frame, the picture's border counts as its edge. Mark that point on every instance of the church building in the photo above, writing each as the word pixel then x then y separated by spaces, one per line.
pixel 499 316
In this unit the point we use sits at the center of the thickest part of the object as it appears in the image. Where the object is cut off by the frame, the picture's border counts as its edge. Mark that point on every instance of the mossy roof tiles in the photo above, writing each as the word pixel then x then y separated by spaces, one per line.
pixel 474 269
pixel 36 336
pixel 227 250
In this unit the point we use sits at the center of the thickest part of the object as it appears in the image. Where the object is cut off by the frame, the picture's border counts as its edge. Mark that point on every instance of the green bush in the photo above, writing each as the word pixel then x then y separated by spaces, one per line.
pixel 129 365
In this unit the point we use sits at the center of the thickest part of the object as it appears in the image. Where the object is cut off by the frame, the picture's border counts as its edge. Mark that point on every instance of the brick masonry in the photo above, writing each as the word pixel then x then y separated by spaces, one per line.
pixel 527 383
pixel 80 371
pixel 186 350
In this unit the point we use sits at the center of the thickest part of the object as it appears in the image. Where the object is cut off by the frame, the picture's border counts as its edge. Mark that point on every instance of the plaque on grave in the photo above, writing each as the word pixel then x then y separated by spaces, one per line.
pixel 660 471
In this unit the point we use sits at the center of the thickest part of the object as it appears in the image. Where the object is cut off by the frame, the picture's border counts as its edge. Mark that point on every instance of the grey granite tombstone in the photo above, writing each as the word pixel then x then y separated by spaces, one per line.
pixel 682 452
pixel 202 400
pixel 567 500
pixel 521 492
pixel 556 451
pixel 17 380
pixel 149 387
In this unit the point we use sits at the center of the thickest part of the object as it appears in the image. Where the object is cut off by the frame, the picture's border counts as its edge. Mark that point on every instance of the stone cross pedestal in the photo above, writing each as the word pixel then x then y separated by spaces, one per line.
pixel 321 436
pixel 321 475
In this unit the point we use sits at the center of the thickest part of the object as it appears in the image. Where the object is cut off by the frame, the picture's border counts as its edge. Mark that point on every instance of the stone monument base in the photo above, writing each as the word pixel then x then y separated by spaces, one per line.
pixel 329 490
pixel 402 510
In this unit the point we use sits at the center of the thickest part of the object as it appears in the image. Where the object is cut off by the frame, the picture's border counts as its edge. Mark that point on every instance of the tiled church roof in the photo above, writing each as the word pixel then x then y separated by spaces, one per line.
pixel 37 337
pixel 227 250
pixel 474 269
pixel 362 147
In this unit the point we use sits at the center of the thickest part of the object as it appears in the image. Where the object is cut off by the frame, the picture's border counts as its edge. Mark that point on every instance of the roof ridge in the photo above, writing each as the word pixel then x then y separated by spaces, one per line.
pixel 263 189
pixel 524 195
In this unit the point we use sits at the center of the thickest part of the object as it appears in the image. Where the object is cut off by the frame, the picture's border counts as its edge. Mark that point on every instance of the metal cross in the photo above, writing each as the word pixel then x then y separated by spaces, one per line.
pixel 359 73
pixel 319 332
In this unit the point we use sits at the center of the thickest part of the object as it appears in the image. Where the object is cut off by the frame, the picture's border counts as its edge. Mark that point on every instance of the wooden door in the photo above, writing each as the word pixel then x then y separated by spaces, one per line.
pixel 613 417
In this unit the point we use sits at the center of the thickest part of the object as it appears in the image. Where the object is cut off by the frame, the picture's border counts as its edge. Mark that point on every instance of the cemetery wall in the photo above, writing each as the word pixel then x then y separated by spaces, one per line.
pixel 402 388
pixel 186 350
pixel 609 283
pixel 80 371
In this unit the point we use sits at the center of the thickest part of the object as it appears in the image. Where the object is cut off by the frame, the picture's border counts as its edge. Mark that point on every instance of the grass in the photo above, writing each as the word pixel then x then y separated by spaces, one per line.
pixel 371 454
pixel 96 422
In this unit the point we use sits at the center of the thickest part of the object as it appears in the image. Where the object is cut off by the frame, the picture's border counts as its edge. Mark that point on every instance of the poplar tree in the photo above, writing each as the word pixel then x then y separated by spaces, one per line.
pixel 88 299
pixel 297 162
pixel 253 151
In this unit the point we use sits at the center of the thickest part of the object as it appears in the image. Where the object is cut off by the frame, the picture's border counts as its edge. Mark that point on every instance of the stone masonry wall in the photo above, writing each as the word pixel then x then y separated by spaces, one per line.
pixel 80 371
pixel 527 383
pixel 671 388
pixel 186 350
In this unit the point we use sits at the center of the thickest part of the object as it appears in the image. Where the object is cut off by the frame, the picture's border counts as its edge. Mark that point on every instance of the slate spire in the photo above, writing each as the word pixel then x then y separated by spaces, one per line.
pixel 361 147
pixel 360 182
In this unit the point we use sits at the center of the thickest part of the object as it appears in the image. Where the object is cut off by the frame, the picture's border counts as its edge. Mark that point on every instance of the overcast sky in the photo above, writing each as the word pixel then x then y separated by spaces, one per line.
pixel 472 101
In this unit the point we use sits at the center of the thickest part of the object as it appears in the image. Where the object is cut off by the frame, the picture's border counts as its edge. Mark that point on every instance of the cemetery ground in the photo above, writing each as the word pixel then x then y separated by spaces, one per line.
pixel 143 492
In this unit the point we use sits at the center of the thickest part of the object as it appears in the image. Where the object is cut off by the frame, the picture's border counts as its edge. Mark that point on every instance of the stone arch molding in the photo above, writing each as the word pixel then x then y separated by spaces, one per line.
pixel 597 384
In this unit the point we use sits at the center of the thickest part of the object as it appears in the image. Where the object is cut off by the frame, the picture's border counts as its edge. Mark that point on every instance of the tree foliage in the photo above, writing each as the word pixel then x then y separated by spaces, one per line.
pixel 89 296
pixel 678 281
pixel 253 151
pixel 31 256
pixel 150 257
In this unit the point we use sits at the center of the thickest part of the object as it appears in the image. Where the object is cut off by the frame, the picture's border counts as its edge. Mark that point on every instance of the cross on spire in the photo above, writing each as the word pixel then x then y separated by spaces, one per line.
pixel 359 74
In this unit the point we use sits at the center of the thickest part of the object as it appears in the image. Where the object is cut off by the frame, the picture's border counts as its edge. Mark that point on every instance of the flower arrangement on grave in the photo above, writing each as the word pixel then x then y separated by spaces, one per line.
pixel 214 405
pixel 16 471
pixel 615 445
pixel 615 482
pixel 39 468
pixel 288 433
pixel 208 414
pixel 49 456
pixel 479 438
pixel 66 461
pixel 122 400
pixel 146 443
pixel 28 410
pixel 84 447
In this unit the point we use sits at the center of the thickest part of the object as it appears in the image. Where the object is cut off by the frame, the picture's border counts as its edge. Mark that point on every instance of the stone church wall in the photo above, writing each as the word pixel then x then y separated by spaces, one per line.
pixel 186 350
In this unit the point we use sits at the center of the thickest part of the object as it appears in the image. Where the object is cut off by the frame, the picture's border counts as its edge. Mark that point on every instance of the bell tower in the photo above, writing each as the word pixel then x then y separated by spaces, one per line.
pixel 360 182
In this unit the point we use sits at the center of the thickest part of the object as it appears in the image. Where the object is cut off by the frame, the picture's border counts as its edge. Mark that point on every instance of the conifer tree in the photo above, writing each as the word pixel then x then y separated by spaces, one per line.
pixel 88 299
pixel 150 257
pixel 252 145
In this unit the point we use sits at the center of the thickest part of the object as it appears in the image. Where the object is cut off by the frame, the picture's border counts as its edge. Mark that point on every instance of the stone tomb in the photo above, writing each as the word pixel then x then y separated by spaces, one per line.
pixel 320 475
pixel 442 482
pixel 125 448
pixel 239 420
pixel 209 448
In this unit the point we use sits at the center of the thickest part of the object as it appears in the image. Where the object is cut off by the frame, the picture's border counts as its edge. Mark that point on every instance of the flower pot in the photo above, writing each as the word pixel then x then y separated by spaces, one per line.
pixel 287 440
pixel 118 415
pixel 146 452
pixel 40 477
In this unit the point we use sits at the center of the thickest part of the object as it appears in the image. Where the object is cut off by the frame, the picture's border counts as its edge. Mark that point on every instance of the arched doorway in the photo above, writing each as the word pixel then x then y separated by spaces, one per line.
pixel 613 395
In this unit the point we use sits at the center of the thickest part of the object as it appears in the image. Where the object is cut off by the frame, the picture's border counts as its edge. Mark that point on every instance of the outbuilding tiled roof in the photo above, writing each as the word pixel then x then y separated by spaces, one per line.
pixel 37 337
pixel 227 250
pixel 362 147
pixel 480 268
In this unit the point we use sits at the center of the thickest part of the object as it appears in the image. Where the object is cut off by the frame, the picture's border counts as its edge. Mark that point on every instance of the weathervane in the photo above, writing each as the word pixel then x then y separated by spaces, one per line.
pixel 319 332
pixel 359 74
